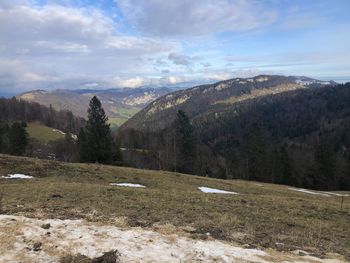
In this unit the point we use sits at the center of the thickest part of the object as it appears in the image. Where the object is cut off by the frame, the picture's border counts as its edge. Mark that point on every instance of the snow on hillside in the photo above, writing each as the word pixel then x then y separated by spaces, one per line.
pixel 129 185
pixel 215 191
pixel 25 239
pixel 17 176
pixel 322 193
pixel 139 100
pixel 135 245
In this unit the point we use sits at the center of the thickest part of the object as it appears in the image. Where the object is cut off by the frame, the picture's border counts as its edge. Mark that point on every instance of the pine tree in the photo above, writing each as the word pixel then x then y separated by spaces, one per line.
pixel 17 139
pixel 83 146
pixel 286 175
pixel 2 135
pixel 256 154
pixel 325 164
pixel 185 143
pixel 95 141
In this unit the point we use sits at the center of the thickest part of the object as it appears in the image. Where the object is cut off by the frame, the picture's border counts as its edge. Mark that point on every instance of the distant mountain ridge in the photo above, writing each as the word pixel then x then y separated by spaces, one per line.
pixel 203 99
pixel 119 104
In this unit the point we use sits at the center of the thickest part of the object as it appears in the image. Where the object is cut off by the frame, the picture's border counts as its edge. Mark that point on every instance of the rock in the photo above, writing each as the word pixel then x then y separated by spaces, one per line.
pixel 112 256
pixel 46 226
pixel 303 253
pixel 56 196
pixel 37 246
pixel 75 259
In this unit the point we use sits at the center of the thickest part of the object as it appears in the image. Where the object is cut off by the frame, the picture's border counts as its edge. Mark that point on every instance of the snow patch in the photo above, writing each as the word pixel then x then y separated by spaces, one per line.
pixel 143 99
pixel 17 176
pixel 129 185
pixel 262 79
pixel 308 82
pixel 61 132
pixel 215 191
pixel 335 194
pixel 168 104
pixel 323 193
pixel 135 244
pixel 308 191
pixel 221 86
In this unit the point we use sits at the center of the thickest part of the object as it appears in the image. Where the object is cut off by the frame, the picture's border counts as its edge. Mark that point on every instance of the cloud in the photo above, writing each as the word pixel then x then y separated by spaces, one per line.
pixel 130 83
pixel 179 59
pixel 51 43
pixel 206 64
pixel 195 17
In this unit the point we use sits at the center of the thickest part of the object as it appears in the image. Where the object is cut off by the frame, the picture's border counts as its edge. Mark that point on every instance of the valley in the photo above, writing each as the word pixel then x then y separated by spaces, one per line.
pixel 120 104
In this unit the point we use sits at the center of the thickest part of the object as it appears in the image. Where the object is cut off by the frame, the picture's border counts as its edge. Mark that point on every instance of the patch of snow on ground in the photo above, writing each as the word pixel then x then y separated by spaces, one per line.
pixel 17 176
pixel 336 194
pixel 61 132
pixel 135 244
pixel 129 185
pixel 308 191
pixel 215 191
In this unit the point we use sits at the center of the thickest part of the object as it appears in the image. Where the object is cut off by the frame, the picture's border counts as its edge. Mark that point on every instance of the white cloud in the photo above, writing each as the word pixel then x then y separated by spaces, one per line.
pixel 195 17
pixel 179 59
pixel 55 43
pixel 130 83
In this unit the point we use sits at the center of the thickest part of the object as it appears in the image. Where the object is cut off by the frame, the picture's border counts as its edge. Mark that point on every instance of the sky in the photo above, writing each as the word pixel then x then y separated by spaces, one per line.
pixel 71 44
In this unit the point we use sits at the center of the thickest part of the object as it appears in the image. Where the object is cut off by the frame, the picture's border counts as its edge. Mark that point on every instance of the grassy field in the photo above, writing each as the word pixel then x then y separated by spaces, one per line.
pixel 121 115
pixel 262 215
pixel 43 133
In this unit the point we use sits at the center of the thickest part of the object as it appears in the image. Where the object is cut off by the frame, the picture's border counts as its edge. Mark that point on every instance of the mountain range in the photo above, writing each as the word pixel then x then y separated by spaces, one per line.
pixel 119 104
pixel 203 100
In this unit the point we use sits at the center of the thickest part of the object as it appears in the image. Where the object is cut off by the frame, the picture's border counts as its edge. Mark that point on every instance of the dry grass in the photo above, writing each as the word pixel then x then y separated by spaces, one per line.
pixel 261 216
pixel 43 133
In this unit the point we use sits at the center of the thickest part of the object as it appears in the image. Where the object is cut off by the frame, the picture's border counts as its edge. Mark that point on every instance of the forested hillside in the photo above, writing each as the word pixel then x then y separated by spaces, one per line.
pixel 201 100
pixel 12 110
pixel 298 137
pixel 14 138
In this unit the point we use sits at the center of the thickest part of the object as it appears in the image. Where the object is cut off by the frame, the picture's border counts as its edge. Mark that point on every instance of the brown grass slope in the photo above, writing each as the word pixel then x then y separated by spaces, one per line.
pixel 262 215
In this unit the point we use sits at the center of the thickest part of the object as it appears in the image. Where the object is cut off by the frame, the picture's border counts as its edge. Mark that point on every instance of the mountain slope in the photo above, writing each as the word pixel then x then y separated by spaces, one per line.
pixel 275 129
pixel 119 104
pixel 260 216
pixel 202 99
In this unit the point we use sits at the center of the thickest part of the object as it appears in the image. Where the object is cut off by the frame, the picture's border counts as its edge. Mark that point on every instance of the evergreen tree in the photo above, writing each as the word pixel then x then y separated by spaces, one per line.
pixel 117 156
pixel 185 143
pixel 256 154
pixel 95 141
pixel 82 146
pixel 17 139
pixel 5 128
pixel 2 135
pixel 285 171
pixel 325 165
